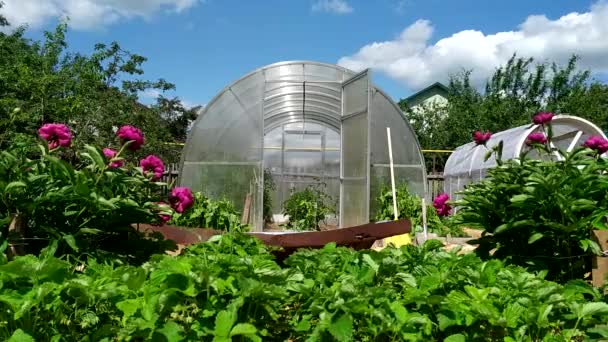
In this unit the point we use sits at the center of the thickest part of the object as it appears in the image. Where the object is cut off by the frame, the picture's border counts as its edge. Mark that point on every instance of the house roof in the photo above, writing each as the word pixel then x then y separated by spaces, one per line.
pixel 420 93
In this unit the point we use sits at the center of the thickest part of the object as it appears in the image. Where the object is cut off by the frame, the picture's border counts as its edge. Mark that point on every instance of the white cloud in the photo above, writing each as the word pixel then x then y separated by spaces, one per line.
pixel 88 14
pixel 415 62
pixel 332 6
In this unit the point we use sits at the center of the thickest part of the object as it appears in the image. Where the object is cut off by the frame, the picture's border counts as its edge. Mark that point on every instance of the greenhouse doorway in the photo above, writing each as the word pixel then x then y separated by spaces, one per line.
pixel 298 156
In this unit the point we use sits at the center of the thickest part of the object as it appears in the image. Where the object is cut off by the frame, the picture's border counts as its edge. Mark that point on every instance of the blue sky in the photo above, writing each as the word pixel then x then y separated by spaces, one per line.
pixel 201 46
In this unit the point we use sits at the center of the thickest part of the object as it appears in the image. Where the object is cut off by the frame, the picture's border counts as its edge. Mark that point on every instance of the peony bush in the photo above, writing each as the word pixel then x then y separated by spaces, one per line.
pixel 88 208
pixel 540 213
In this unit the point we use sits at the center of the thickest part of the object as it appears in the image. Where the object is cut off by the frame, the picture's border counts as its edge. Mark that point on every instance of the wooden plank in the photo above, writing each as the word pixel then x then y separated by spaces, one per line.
pixel 246 209
pixel 599 272
pixel 360 235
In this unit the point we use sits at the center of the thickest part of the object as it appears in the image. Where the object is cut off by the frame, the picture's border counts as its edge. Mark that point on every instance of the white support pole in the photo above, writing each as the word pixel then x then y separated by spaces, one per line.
pixel 424 229
pixel 390 157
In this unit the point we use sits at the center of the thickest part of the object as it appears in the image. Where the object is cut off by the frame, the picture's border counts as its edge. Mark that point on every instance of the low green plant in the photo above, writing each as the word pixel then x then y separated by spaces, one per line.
pixel 208 213
pixel 308 207
pixel 230 288
pixel 409 206
pixel 269 187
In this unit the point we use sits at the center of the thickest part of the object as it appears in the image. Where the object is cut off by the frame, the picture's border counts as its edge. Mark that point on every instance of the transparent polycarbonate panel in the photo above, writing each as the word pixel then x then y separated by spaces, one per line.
pixel 285 72
pixel 380 178
pixel 307 140
pixel 354 210
pixel 226 132
pixel 354 146
pixel 221 181
pixel 332 163
pixel 318 72
pixel 354 175
pixel 249 91
pixel 405 145
pixel 355 96
pixel 303 162
pixel 273 160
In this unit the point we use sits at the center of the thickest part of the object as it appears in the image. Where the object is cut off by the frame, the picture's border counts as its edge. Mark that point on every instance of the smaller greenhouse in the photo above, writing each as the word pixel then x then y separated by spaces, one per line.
pixel 466 164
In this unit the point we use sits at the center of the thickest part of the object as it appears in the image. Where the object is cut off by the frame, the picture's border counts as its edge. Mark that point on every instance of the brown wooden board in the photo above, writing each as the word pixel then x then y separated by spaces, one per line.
pixel 180 235
pixel 363 235
pixel 358 237
pixel 599 273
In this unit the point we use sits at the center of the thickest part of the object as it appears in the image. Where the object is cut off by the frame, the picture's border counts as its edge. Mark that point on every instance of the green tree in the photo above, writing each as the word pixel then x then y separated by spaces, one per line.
pixel 94 94
pixel 514 93
pixel 3 21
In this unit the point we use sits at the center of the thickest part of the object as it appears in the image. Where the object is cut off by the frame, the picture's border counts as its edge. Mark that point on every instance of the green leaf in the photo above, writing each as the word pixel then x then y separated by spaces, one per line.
pixel 543 317
pixel 171 331
pixel 14 185
pixel 128 307
pixel 535 237
pixel 223 323
pixel 399 311
pixel 243 329
pixel 342 329
pixel 455 338
pixel 21 336
pixel 520 198
pixel 370 262
pixel 93 231
pixel 95 156
pixel 590 309
pixel 71 241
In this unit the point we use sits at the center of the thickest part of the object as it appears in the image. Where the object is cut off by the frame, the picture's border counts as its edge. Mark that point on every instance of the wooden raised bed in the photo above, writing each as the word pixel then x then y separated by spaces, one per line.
pixel 358 237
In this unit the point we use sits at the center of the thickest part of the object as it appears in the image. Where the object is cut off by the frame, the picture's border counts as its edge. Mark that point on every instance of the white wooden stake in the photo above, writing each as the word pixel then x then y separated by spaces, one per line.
pixel 390 158
pixel 424 229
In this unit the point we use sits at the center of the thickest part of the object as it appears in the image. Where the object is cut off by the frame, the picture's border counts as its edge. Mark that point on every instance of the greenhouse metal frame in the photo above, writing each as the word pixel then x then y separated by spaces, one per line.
pixel 466 164
pixel 307 123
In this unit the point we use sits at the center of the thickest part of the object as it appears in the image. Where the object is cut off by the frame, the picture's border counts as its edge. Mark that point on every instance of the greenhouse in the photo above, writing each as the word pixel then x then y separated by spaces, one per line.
pixel 301 124
pixel 466 164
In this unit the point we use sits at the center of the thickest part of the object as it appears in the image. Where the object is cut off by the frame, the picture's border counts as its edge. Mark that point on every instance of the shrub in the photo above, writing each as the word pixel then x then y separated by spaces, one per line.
pixel 540 213
pixel 88 207
pixel 307 208
pixel 409 206
pixel 207 213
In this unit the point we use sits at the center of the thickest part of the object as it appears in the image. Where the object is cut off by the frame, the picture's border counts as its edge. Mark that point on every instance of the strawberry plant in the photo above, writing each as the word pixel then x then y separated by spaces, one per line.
pixel 230 288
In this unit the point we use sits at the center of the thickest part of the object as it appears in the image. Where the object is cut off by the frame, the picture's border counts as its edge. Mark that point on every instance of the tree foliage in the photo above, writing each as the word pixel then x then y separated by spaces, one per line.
pixel 42 81
pixel 514 93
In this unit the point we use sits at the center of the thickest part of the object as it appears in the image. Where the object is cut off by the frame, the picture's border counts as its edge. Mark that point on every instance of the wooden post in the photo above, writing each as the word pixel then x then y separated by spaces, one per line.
pixel 599 274
pixel 390 158
pixel 16 235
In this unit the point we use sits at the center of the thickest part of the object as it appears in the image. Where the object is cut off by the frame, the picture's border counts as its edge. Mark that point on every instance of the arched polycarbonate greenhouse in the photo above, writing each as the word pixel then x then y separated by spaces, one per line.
pixel 304 123
pixel 466 164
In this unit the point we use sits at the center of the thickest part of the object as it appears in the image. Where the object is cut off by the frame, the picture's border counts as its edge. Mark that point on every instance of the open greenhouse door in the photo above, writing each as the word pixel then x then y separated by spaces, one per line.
pixel 355 146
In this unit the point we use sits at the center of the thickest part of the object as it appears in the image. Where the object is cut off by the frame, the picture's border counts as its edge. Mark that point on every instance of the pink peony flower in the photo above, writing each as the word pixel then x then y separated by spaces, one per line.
pixel 597 143
pixel 56 135
pixel 181 199
pixel 536 138
pixel 481 138
pixel 129 133
pixel 110 153
pixel 542 118
pixel 153 164
pixel 441 205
